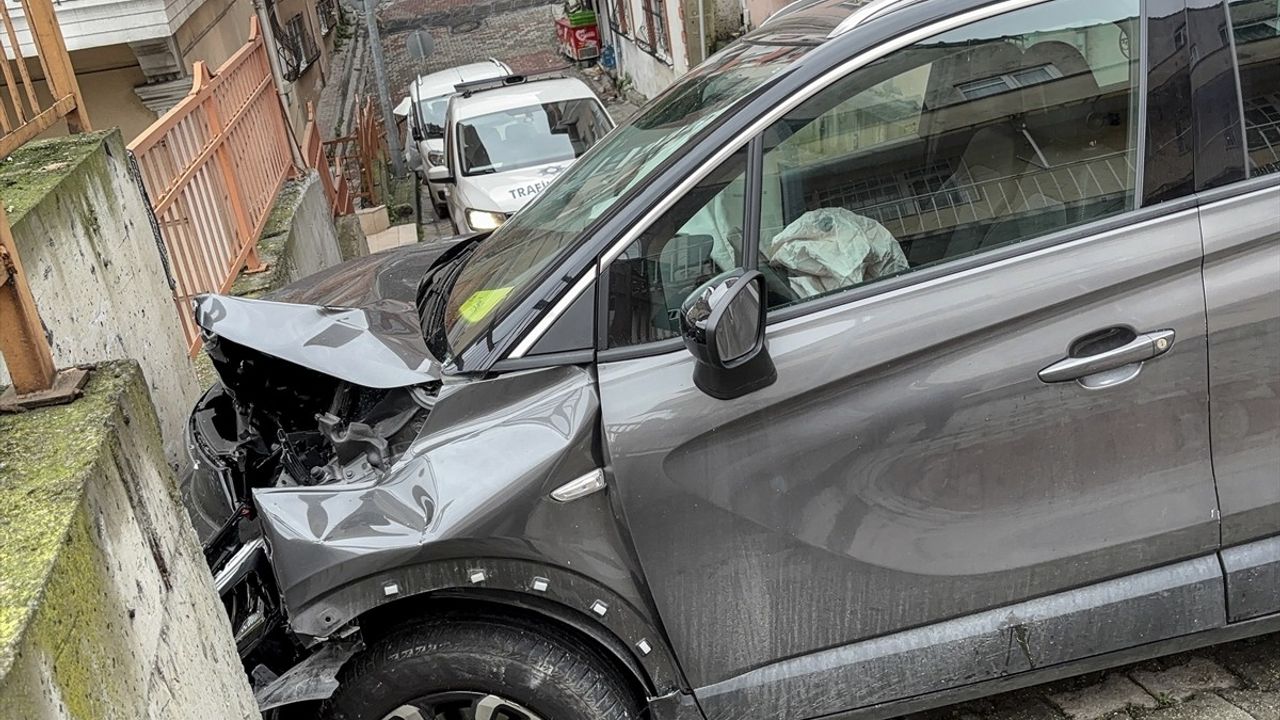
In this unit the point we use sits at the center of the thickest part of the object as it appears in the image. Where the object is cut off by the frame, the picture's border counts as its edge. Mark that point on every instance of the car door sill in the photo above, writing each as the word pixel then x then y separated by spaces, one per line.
pixel 1185 643
pixel 1253 576
pixel 1166 602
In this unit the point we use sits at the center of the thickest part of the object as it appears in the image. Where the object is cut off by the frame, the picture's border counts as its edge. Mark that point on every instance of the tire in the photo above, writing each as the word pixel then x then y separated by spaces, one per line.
pixel 442 212
pixel 527 670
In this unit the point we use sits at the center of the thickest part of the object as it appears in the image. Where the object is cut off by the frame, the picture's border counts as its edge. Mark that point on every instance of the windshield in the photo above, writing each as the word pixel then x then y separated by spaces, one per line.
pixel 431 115
pixel 532 135
pixel 516 255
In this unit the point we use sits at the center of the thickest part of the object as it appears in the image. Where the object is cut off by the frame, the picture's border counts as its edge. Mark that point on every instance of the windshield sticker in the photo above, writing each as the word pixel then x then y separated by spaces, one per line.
pixel 481 303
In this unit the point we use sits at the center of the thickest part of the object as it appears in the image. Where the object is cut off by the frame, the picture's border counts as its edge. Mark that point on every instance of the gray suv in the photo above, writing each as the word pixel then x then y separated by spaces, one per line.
pixel 901 353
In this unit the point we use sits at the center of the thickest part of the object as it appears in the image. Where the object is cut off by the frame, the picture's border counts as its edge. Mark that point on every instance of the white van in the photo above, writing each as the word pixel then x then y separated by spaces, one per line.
pixel 507 139
pixel 424 108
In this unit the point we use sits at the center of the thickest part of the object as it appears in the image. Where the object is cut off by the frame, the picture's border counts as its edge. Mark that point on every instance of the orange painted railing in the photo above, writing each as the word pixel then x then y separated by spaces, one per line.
pixel 212 167
pixel 360 154
pixel 336 187
pixel 22 117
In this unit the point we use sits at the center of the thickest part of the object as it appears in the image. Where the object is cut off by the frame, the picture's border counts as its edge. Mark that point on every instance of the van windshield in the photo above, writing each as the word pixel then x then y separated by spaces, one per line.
pixel 514 257
pixel 529 136
pixel 431 115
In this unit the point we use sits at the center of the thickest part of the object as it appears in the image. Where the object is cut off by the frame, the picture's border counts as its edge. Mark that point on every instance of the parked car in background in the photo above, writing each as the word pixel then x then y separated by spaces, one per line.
pixel 507 139
pixel 424 110
pixel 901 353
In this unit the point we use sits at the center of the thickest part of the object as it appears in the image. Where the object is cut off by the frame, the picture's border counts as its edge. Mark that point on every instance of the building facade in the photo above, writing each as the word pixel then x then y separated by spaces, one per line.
pixel 656 41
pixel 133 58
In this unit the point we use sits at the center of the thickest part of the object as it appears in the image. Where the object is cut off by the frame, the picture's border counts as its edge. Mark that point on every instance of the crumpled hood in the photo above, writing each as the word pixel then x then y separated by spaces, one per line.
pixel 355 321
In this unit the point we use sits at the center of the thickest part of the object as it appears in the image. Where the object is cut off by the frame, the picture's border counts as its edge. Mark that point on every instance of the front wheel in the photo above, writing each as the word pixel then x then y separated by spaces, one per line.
pixel 481 669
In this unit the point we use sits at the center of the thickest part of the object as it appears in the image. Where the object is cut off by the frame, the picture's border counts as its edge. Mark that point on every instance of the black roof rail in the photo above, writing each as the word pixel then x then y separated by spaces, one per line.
pixel 467 89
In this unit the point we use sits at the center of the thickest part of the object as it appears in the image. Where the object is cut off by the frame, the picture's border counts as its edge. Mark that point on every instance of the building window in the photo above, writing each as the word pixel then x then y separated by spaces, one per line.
pixel 297 47
pixel 619 22
pixel 655 26
pixel 327 12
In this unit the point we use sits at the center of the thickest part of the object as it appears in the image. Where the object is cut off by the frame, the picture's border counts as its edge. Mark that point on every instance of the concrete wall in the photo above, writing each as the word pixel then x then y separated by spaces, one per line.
pixel 758 11
pixel 107 76
pixel 107 609
pixel 214 32
pixel 299 238
pixel 91 257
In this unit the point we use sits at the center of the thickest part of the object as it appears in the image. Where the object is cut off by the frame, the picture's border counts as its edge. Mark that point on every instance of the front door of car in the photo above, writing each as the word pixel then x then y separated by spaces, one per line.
pixel 1240 219
pixel 987 447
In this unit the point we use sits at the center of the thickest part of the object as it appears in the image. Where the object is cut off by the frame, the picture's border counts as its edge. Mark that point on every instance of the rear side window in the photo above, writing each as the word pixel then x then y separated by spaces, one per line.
pixel 1255 28
pixel 994 133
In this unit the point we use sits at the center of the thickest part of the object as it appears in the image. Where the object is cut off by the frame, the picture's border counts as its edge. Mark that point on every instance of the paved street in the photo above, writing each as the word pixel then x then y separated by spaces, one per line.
pixel 521 33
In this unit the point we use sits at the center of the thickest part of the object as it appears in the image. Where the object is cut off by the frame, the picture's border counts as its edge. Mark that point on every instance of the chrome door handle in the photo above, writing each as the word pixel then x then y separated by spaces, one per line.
pixel 1143 347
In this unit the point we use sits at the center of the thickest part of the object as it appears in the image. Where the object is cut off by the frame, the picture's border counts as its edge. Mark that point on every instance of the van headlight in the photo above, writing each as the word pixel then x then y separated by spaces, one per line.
pixel 484 219
pixel 435 157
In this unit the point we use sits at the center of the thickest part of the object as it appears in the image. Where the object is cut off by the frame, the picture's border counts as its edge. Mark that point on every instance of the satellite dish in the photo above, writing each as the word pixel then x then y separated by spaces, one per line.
pixel 420 44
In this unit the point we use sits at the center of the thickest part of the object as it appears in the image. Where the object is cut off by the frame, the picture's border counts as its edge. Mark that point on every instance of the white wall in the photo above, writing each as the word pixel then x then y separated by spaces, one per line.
pixel 649 72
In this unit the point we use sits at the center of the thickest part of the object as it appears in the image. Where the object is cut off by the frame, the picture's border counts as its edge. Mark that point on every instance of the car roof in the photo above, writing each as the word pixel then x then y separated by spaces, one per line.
pixel 813 22
pixel 443 82
pixel 520 94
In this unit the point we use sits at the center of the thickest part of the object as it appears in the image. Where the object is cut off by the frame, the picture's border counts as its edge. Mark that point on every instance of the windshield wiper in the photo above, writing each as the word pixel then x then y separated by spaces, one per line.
pixel 433 296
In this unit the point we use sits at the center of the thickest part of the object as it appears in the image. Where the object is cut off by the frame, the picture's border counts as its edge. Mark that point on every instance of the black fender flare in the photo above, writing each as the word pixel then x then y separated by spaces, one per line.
pixel 560 595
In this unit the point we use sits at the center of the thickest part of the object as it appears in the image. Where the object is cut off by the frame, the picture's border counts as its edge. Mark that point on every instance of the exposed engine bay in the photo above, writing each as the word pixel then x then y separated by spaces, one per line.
pixel 272 422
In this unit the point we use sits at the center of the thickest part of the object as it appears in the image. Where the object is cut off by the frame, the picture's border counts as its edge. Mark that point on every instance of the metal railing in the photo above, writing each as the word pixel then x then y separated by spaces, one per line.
pixel 337 189
pixel 22 117
pixel 212 166
pixel 362 155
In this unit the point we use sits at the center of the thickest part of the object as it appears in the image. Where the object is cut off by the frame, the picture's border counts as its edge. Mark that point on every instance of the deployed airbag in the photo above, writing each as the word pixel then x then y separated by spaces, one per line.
pixel 833 248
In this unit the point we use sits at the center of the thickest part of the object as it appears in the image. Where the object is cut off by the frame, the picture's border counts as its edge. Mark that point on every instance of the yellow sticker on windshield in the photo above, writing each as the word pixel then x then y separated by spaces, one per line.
pixel 481 303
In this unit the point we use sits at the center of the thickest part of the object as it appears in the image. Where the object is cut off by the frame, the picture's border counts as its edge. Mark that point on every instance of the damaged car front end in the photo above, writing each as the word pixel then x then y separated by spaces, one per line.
pixel 341 484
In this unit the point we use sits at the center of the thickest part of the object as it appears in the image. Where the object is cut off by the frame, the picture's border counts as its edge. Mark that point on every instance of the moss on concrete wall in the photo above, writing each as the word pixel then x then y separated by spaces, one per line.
pixel 45 459
pixel 86 240
pixel 108 607
pixel 298 239
pixel 29 174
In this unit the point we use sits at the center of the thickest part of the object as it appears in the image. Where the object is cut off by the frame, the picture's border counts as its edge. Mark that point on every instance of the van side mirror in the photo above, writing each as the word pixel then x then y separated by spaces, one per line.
pixel 723 324
pixel 440 174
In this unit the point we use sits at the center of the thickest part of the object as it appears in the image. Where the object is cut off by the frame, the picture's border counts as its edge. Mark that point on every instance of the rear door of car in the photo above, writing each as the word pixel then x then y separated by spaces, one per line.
pixel 993 461
pixel 1236 81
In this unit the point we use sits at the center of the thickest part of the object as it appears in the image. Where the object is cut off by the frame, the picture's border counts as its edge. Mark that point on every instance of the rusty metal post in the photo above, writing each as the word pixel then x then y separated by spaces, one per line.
pixel 22 339
pixel 52 50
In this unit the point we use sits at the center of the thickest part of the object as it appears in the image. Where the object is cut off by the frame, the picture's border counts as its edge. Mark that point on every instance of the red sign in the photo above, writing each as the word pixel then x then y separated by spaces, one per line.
pixel 579 43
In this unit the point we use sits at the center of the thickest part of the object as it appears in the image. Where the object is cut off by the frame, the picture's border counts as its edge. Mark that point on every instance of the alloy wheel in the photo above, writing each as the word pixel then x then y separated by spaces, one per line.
pixel 461 705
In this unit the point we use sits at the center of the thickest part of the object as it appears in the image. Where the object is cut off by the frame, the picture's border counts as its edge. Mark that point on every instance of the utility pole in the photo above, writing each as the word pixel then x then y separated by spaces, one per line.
pixel 384 92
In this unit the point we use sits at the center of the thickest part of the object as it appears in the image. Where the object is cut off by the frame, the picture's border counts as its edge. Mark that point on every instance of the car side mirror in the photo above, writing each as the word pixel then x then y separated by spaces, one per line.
pixel 440 174
pixel 723 326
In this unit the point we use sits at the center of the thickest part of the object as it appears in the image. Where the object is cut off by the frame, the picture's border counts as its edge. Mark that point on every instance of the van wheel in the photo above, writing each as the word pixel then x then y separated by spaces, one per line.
pixel 442 212
pixel 480 669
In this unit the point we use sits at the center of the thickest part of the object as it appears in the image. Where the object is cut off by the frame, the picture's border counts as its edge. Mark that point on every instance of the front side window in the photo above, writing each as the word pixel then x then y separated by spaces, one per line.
pixel 516 255
pixel 697 239
pixel 1256 30
pixel 530 136
pixel 987 135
